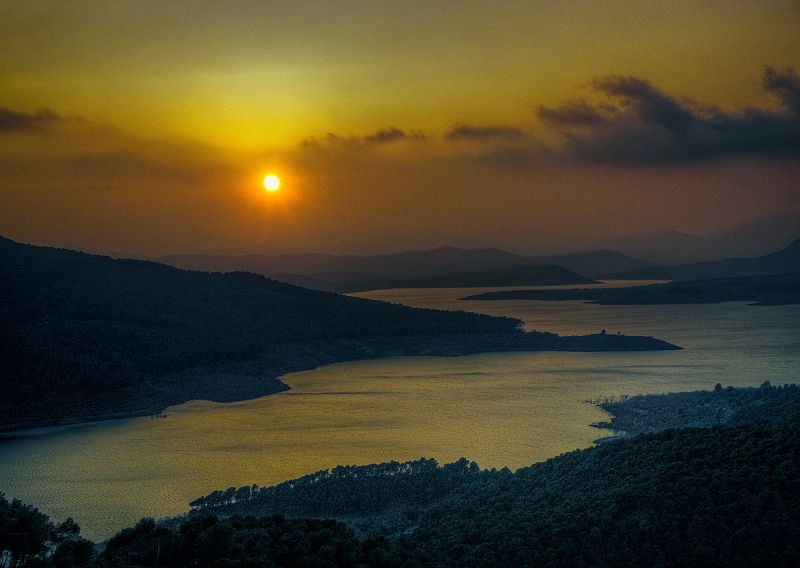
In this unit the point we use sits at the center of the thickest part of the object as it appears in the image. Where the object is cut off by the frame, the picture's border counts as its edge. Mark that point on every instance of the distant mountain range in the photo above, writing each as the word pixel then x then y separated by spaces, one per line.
pixel 439 267
pixel 672 247
pixel 785 261
pixel 454 267
pixel 526 275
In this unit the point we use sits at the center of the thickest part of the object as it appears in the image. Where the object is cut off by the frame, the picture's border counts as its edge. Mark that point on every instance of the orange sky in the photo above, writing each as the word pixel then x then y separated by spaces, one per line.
pixel 146 128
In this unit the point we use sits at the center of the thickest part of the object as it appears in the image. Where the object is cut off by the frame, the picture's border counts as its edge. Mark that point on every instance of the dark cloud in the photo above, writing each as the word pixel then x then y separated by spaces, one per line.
pixel 785 85
pixel 648 103
pixel 386 135
pixel 578 113
pixel 626 120
pixel 470 132
pixel 12 120
pixel 649 126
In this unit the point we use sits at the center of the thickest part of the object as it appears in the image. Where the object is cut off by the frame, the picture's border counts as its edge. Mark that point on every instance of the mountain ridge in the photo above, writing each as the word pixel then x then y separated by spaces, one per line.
pixel 459 266
pixel 783 261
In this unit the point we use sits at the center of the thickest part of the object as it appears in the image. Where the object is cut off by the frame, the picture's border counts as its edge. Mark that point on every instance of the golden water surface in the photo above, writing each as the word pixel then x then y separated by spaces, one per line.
pixel 508 409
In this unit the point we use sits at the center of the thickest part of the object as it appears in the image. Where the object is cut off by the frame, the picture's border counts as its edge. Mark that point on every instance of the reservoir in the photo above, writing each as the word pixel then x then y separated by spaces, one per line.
pixel 509 409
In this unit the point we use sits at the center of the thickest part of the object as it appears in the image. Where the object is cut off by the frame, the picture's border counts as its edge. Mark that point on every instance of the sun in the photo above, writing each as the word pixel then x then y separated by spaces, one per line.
pixel 271 182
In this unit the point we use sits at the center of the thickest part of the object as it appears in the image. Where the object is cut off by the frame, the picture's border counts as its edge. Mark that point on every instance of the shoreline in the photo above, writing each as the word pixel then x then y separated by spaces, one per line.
pixel 236 383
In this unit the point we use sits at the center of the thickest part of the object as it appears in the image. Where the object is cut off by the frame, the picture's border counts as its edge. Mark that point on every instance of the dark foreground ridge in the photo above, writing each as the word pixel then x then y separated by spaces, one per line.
pixel 760 290
pixel 726 495
pixel 89 337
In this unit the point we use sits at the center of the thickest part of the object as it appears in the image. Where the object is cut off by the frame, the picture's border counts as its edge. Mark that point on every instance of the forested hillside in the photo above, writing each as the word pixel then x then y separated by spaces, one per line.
pixel 691 497
pixel 374 499
pixel 88 337
pixel 680 497
pixel 728 495
pixel 78 326
pixel 654 412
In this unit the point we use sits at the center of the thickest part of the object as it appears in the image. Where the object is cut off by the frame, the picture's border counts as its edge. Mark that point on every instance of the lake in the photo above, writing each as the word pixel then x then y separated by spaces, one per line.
pixel 509 409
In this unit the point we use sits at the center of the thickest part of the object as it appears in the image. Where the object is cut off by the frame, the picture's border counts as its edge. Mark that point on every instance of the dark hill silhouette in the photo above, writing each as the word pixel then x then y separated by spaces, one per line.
pixel 88 336
pixel 541 275
pixel 340 282
pixel 259 263
pixel 595 263
pixel 413 264
pixel 785 261
pixel 716 485
pixel 723 458
pixel 451 259
pixel 526 275
pixel 443 266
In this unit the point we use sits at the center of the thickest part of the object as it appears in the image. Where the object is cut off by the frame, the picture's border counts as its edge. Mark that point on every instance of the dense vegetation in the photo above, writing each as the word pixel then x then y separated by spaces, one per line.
pixel 761 290
pixel 728 495
pixel 655 412
pixel 29 538
pixel 87 337
pixel 266 542
pixel 373 499
pixel 692 497
pixel 78 325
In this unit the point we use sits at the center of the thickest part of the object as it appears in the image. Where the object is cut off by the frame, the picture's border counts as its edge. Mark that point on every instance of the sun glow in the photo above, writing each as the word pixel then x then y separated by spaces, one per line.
pixel 272 183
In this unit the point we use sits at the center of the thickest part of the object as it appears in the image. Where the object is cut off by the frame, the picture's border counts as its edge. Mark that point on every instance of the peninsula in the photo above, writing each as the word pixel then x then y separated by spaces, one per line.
pixel 90 337
pixel 775 290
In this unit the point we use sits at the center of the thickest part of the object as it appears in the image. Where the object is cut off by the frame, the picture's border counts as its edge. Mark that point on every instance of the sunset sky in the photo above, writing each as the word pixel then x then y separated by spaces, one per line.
pixel 147 127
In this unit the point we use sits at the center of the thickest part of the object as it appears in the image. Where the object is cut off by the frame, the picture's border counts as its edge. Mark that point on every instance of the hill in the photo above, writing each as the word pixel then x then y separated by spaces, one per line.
pixel 526 275
pixel 596 262
pixel 784 261
pixel 674 497
pixel 702 409
pixel 727 495
pixel 258 263
pixel 439 267
pixel 88 337
pixel 760 290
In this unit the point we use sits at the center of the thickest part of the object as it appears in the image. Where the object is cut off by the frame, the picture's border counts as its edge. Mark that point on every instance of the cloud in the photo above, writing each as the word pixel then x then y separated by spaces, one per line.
pixel 384 136
pixel 638 123
pixel 578 113
pixel 621 120
pixel 80 154
pixel 471 132
pixel 650 105
pixel 785 85
pixel 387 135
pixel 11 120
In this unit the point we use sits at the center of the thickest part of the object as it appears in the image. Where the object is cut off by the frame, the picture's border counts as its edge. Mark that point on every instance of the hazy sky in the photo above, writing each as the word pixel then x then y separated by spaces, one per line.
pixel 146 127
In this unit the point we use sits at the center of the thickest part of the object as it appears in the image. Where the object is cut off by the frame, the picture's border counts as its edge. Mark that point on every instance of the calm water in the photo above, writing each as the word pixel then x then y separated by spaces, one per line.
pixel 498 409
